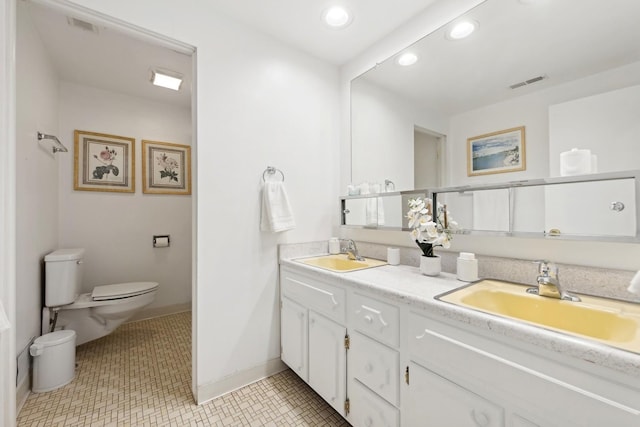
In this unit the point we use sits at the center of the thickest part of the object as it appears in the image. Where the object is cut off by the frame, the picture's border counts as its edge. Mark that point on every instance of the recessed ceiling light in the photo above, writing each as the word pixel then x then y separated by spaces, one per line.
pixel 337 17
pixel 167 79
pixel 407 58
pixel 461 29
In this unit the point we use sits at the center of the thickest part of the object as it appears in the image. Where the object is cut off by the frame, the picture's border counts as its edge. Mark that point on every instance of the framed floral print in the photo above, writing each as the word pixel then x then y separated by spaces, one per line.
pixel 166 168
pixel 103 162
pixel 496 152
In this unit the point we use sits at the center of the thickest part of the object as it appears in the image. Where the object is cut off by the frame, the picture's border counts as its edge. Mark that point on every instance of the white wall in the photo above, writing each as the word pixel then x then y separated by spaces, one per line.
pixel 116 229
pixel 607 124
pixel 7 211
pixel 36 185
pixel 259 103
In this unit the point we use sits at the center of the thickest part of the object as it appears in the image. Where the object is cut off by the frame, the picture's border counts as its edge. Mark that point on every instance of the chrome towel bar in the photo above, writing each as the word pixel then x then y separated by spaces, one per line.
pixel 270 170
pixel 57 145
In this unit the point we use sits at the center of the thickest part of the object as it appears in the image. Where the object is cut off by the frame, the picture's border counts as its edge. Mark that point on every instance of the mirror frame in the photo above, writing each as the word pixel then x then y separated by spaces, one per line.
pixel 433 194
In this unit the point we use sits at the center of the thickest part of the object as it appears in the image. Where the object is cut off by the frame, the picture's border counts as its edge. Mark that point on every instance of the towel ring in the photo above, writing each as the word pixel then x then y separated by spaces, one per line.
pixel 271 171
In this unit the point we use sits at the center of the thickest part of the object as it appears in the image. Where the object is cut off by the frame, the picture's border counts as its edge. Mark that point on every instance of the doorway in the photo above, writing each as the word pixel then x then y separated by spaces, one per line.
pixel 77 71
pixel 429 158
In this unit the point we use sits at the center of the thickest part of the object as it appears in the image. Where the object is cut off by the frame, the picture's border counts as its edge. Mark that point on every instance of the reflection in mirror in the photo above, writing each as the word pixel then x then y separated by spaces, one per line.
pixel 572 83
pixel 385 210
pixel 598 206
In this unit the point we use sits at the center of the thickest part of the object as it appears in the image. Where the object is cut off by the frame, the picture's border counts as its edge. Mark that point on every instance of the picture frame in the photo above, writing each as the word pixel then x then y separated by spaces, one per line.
pixel 166 168
pixel 497 152
pixel 103 162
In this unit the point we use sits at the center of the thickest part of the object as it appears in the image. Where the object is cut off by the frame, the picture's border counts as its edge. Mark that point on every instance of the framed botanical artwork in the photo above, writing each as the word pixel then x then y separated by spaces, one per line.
pixel 103 162
pixel 166 168
pixel 496 152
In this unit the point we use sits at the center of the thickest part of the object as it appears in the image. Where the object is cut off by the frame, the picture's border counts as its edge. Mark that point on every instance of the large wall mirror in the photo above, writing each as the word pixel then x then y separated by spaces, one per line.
pixel 567 72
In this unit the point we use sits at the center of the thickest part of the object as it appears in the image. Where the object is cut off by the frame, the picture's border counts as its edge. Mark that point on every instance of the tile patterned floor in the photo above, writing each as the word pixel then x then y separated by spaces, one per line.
pixel 140 375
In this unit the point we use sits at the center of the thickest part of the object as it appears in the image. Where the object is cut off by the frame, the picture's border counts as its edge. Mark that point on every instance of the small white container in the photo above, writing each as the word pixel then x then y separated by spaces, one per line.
pixel 54 360
pixel 467 267
pixel 334 246
pixel 393 256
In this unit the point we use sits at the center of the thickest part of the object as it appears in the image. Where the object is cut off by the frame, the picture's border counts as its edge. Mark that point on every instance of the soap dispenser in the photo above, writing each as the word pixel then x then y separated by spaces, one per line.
pixel 467 267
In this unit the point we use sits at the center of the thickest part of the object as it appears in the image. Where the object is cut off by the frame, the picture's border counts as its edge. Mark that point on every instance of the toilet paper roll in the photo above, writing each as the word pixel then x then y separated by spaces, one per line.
pixel 575 162
pixel 161 242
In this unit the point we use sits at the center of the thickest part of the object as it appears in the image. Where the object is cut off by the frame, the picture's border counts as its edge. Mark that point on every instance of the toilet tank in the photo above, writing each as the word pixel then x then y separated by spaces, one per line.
pixel 63 276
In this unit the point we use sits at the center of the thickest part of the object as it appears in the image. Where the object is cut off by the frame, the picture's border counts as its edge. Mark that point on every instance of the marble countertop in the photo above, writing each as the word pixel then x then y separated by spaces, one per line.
pixel 404 284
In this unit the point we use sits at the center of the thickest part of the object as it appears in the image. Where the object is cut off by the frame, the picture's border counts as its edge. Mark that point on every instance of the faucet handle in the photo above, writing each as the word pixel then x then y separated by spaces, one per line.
pixel 545 267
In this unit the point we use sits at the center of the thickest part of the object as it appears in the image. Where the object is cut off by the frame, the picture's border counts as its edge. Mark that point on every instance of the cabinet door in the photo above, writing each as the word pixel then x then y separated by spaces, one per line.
pixel 376 366
pixel 327 360
pixel 368 409
pixel 293 337
pixel 436 402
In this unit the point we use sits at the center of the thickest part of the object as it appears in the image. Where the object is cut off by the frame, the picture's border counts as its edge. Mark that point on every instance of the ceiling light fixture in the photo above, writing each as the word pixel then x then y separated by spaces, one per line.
pixel 462 29
pixel 337 17
pixel 407 58
pixel 168 79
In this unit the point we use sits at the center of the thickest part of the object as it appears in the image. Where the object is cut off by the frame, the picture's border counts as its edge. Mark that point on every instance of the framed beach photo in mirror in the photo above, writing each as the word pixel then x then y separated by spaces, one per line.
pixel 166 168
pixel 496 152
pixel 103 162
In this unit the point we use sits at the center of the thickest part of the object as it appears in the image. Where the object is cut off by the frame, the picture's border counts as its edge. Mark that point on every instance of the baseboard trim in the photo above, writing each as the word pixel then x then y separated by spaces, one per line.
pixel 22 392
pixel 233 382
pixel 150 313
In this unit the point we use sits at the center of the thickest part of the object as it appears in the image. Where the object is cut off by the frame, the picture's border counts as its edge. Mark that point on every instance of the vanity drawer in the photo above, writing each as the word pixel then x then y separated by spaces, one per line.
pixel 376 366
pixel 318 296
pixel 369 410
pixel 376 319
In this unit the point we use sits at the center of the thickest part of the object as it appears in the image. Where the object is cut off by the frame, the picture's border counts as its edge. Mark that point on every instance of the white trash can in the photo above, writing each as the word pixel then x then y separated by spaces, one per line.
pixel 54 360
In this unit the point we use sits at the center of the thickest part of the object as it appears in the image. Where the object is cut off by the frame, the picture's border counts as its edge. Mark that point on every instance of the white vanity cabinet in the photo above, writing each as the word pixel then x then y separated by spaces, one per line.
pixel 381 362
pixel 312 328
pixel 472 380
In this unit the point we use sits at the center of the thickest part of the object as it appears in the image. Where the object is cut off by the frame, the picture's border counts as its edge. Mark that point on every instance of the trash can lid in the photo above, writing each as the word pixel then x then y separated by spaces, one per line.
pixel 55 338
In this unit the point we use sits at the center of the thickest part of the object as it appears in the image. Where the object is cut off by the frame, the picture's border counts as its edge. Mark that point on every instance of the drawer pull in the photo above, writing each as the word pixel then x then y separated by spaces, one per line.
pixel 369 318
pixel 481 419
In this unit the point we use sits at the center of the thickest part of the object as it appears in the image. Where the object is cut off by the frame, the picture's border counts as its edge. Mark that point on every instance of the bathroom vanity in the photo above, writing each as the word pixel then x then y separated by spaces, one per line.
pixel 382 351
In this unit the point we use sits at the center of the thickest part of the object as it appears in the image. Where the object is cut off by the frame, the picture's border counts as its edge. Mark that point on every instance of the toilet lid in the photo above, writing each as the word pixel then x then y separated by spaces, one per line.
pixel 122 290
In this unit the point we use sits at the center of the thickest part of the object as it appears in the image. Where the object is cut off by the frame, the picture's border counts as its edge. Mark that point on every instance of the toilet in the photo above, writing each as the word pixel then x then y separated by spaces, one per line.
pixel 94 314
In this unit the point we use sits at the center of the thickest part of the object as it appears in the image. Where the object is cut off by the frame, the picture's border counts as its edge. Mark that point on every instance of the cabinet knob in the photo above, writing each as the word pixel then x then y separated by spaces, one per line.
pixel 481 419
pixel 368 319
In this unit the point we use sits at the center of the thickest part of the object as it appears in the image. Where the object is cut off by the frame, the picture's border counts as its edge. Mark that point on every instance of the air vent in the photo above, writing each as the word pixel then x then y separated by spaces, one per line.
pixel 83 25
pixel 527 82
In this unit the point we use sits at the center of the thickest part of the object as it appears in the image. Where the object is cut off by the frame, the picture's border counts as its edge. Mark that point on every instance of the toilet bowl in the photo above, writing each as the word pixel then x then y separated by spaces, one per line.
pixel 91 315
pixel 93 318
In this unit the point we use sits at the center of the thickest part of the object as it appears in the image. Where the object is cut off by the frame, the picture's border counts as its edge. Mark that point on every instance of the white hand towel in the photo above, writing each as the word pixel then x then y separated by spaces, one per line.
pixel 374 211
pixel 491 210
pixel 276 211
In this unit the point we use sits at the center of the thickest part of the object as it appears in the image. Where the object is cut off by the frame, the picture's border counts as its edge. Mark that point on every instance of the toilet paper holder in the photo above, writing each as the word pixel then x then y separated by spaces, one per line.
pixel 163 241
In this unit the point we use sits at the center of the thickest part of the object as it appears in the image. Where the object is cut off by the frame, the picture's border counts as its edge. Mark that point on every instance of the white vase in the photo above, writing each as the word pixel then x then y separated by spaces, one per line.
pixel 430 265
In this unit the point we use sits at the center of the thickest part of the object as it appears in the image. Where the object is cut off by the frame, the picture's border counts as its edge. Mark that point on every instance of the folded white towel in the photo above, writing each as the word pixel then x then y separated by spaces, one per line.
pixel 276 211
pixel 491 210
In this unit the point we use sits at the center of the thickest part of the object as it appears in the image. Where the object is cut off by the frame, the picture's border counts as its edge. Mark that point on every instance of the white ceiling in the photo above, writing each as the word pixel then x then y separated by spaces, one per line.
pixel 298 22
pixel 516 41
pixel 117 62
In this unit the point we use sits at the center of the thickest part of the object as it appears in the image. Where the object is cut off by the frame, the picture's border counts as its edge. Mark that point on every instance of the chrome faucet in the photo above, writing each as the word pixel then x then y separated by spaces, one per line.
pixel 549 283
pixel 350 249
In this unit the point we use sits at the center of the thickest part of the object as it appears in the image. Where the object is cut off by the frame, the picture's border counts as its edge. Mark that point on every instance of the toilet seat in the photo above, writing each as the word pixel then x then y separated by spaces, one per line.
pixel 122 290
pixel 111 294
